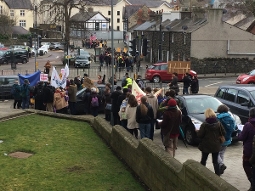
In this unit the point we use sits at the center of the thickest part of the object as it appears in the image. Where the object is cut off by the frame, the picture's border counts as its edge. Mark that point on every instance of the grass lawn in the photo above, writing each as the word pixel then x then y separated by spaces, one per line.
pixel 67 155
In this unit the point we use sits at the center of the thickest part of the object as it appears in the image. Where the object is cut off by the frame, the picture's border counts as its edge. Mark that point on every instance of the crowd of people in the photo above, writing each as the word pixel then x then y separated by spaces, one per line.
pixel 141 118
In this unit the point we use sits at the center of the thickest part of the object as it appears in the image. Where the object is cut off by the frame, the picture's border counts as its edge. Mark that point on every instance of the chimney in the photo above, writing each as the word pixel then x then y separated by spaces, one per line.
pixel 185 14
pixel 198 13
pixel 215 15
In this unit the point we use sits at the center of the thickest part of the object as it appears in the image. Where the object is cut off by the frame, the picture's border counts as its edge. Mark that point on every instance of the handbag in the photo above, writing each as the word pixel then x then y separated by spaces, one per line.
pixel 108 106
pixel 222 138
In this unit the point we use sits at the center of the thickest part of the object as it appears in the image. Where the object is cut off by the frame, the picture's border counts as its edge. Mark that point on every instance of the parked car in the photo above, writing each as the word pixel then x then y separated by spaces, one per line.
pixel 80 104
pixel 238 97
pixel 43 48
pixel 6 83
pixel 57 46
pixel 159 72
pixel 19 56
pixel 193 108
pixel 248 78
pixel 82 61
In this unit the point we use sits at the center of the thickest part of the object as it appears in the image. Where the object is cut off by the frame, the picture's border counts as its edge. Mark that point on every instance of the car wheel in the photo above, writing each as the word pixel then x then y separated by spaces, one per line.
pixel 156 79
pixel 56 48
pixel 24 61
pixel 190 136
pixel 45 53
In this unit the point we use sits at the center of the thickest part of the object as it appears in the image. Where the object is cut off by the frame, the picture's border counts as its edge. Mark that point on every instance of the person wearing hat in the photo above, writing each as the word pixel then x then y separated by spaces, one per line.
pixel 172 118
pixel 25 94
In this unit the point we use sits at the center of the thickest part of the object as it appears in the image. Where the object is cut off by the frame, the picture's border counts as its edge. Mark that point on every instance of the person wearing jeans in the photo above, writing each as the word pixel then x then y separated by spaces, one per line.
pixel 209 133
pixel 144 116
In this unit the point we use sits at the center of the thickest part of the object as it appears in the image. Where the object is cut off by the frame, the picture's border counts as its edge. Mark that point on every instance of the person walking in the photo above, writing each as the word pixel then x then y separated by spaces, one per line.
pixel 194 85
pixel 132 125
pixel 186 83
pixel 144 117
pixel 153 102
pixel 246 135
pixel 72 90
pixel 115 106
pixel 174 83
pixel 172 118
pixel 25 94
pixel 15 91
pixel 229 125
pixel 209 133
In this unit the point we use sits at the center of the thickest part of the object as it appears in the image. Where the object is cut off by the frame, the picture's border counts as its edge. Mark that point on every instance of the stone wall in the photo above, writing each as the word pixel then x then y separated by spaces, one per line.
pixel 155 167
pixel 222 65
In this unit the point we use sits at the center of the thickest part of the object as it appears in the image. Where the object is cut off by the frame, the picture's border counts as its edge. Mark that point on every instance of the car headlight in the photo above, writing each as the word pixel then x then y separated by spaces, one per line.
pixel 76 62
pixel 246 78
pixel 237 119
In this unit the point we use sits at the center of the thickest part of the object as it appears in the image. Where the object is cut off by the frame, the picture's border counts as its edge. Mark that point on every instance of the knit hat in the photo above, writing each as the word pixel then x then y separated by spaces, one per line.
pixel 172 103
pixel 26 81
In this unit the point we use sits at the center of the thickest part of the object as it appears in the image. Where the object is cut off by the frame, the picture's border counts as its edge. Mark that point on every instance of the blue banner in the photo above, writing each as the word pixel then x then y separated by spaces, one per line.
pixel 32 78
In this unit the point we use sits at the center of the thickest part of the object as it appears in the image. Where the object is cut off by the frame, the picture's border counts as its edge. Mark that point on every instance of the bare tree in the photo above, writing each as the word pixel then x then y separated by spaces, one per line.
pixel 60 11
pixel 6 24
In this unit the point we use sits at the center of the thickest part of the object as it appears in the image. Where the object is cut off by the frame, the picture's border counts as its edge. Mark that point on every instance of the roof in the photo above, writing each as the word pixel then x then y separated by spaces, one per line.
pixel 84 16
pixel 248 87
pixel 150 4
pixel 130 10
pixel 19 4
pixel 102 3
pixel 19 30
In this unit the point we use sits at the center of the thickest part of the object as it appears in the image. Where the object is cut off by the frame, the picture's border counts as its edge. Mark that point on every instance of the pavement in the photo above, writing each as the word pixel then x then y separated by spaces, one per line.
pixel 234 174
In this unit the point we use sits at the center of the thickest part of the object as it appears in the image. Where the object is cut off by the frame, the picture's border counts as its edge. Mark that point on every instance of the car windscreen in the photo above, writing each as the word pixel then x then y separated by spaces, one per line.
pixel 198 105
pixel 251 73
pixel 252 94
pixel 81 57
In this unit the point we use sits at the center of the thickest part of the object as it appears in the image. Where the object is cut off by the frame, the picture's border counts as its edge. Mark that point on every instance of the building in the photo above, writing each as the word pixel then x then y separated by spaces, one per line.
pixel 20 11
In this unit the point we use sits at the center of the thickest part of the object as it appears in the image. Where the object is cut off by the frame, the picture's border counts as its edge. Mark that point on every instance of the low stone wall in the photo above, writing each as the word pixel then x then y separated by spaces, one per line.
pixel 152 164
pixel 222 65
pixel 155 167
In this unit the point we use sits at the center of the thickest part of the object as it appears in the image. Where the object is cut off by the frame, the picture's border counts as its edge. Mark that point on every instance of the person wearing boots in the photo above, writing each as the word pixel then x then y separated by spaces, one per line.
pixel 246 135
pixel 209 133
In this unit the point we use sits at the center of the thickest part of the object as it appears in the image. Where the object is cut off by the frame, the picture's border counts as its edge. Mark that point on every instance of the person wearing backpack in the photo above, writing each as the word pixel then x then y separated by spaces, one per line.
pixel 229 125
pixel 94 102
pixel 15 91
pixel 38 95
pixel 48 96
pixel 25 94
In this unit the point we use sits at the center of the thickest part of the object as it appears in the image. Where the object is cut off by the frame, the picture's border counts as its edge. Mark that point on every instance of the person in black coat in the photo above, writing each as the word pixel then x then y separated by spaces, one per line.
pixel 122 97
pixel 48 96
pixel 86 99
pixel 38 95
pixel 186 83
pixel 194 87
pixel 115 106
pixel 174 83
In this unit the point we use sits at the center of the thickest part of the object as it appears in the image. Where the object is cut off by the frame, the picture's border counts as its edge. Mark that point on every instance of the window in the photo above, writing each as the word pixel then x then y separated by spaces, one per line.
pixel 221 93
pixel 242 97
pixel 96 26
pixel 157 67
pixel 22 23
pixel 118 12
pixel 12 13
pixel 109 12
pixel 22 13
pixel 230 95
pixel 172 38
pixel 164 67
pixel 118 20
pixel 118 28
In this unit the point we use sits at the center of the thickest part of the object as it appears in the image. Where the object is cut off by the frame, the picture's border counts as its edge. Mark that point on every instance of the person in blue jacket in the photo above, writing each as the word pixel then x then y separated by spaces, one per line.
pixel 229 125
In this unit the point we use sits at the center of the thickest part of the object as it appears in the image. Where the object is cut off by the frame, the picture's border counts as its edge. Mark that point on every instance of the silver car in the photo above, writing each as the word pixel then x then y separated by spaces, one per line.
pixel 82 61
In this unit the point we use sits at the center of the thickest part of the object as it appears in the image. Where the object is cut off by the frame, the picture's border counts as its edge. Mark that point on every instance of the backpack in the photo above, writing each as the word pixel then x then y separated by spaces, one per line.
pixel 39 93
pixel 94 102
pixel 228 123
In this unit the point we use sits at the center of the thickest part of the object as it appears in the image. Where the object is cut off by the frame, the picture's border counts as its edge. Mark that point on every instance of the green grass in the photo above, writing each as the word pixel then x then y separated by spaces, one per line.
pixel 68 155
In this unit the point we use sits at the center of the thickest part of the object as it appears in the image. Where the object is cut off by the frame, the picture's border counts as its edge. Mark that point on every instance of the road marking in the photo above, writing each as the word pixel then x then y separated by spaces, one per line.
pixel 213 84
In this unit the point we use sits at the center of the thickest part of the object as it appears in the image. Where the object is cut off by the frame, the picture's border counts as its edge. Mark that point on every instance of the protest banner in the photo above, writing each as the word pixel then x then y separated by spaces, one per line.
pixel 44 77
pixel 137 92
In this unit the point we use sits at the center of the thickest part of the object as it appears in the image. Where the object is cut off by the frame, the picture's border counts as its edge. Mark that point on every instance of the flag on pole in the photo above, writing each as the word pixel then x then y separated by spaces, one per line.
pixel 55 80
pixel 137 92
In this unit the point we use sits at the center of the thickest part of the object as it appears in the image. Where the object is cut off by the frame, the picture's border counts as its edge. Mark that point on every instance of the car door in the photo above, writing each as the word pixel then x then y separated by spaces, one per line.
pixel 164 75
pixel 243 105
pixel 229 99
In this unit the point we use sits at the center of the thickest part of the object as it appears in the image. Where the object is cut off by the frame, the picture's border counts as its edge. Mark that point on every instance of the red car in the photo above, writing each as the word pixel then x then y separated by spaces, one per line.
pixel 248 78
pixel 159 72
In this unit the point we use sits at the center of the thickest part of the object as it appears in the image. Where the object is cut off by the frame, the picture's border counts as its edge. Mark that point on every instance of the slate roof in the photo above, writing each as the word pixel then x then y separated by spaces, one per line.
pixel 19 30
pixel 150 4
pixel 129 10
pixel 19 4
pixel 85 16
pixel 102 2
pixel 175 25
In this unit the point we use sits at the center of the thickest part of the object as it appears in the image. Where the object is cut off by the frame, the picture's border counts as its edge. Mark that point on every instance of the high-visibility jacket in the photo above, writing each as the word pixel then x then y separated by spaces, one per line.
pixel 129 82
